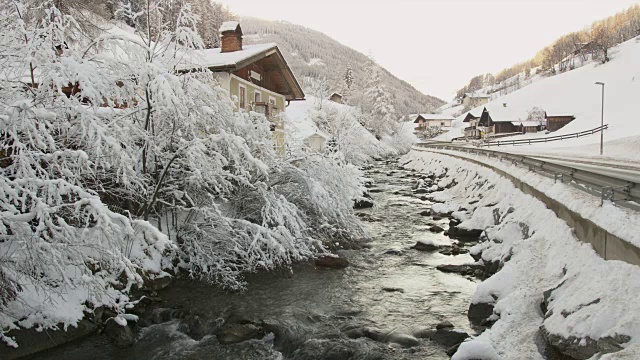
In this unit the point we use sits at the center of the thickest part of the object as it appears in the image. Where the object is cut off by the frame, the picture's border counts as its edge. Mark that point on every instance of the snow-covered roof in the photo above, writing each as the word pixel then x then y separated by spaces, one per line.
pixel 477 95
pixel 500 113
pixel 229 26
pixel 319 133
pixel 526 123
pixel 213 58
pixel 434 117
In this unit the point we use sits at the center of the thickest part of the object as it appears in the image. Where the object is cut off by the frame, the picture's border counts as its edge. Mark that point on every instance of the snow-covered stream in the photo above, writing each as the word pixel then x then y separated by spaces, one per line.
pixel 313 313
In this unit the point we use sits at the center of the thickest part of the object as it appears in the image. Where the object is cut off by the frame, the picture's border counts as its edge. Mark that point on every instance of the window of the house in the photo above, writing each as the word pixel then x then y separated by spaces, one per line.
pixel 257 97
pixel 242 94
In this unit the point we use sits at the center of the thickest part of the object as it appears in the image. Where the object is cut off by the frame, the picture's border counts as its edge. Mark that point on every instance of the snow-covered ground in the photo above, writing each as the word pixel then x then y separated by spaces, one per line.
pixel 575 92
pixel 594 301
pixel 304 118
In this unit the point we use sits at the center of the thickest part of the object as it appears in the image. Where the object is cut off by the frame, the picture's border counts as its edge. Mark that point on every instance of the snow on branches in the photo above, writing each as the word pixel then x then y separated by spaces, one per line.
pixel 117 163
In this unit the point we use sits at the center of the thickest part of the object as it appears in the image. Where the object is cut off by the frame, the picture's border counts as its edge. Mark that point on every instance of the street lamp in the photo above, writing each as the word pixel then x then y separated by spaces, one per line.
pixel 601 118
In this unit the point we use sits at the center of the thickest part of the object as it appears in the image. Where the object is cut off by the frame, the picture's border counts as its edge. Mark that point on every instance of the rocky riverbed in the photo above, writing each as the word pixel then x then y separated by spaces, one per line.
pixel 405 295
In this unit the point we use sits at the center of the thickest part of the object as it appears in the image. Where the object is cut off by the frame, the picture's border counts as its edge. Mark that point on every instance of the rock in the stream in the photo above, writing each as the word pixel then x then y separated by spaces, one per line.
pixel 425 212
pixel 425 246
pixel 436 229
pixel 376 190
pixel 31 341
pixel 364 203
pixel 392 289
pixel 464 235
pixel 157 283
pixel 332 262
pixel 446 336
pixel 585 348
pixel 121 336
pixel 437 218
pixel 479 313
pixel 403 340
pixel 239 333
pixel 444 325
pixel 395 252
pixel 463 269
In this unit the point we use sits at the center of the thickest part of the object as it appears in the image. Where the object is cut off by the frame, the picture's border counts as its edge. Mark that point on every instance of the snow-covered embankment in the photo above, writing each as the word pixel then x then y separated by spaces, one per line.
pixel 550 285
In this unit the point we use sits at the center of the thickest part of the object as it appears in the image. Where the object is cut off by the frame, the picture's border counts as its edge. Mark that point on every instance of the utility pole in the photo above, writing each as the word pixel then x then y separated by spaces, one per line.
pixel 601 120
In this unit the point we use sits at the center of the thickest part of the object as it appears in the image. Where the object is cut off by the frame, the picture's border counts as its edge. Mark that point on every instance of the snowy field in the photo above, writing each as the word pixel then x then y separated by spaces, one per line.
pixel 574 92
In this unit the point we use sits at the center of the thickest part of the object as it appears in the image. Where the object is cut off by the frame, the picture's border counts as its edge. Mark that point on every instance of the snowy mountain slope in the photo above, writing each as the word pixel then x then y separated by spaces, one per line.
pixel 311 53
pixel 574 92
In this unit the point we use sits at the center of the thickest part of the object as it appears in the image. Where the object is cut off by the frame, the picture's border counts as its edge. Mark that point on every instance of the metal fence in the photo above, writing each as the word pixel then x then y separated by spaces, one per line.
pixel 545 139
pixel 607 187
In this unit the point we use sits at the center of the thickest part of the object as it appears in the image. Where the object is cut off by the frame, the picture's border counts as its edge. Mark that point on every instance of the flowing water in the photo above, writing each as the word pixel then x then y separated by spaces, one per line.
pixel 312 313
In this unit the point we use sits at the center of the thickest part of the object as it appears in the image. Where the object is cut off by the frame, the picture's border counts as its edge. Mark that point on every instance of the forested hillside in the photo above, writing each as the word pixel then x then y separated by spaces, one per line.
pixel 313 54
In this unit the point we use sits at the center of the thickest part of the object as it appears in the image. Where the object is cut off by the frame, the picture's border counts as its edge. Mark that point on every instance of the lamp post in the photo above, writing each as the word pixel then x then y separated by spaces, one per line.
pixel 601 119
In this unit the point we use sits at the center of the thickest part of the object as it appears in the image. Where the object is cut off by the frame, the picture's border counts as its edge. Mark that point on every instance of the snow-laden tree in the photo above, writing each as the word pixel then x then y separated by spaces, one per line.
pixel 348 84
pixel 382 116
pixel 121 158
pixel 62 249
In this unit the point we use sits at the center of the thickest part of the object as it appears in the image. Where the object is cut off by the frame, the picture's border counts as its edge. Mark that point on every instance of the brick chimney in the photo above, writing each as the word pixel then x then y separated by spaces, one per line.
pixel 230 37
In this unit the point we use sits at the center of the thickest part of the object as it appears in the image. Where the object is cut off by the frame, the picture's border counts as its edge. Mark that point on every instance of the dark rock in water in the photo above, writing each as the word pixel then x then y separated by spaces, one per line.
pixel 444 325
pixel 421 246
pixel 403 340
pixel 393 252
pixel 425 212
pixel 464 269
pixel 437 218
pixel 120 336
pixel 367 217
pixel 376 190
pixel 198 327
pixel 446 336
pixel 479 312
pixel 424 198
pixel 239 333
pixel 364 203
pixel 449 336
pixel 436 229
pixel 584 348
pixel 31 341
pixel 454 250
pixel 332 262
pixel 158 283
pixel 393 289
pixel 452 350
pixel 421 191
pixel 464 235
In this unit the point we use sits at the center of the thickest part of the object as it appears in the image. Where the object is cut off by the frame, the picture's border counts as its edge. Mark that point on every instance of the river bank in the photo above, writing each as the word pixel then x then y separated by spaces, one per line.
pixel 385 305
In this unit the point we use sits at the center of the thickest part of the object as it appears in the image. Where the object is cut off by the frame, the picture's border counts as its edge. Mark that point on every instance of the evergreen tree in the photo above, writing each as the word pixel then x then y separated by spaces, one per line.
pixel 382 119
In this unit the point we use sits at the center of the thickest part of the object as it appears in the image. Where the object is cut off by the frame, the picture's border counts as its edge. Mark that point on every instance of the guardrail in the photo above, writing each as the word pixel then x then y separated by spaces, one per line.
pixel 607 187
pixel 545 139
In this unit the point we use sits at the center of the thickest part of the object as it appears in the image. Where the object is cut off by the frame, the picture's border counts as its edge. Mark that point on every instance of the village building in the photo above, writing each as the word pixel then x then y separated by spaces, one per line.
pixel 556 122
pixel 315 142
pixel 433 120
pixel 257 77
pixel 471 100
pixel 503 120
pixel 472 131
pixel 337 98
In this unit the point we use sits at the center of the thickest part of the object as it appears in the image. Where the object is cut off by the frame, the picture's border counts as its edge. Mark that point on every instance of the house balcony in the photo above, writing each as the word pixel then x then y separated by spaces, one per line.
pixel 270 111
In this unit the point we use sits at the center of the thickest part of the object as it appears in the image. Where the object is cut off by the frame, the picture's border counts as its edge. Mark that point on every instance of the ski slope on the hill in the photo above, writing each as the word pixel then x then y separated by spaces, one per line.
pixel 575 92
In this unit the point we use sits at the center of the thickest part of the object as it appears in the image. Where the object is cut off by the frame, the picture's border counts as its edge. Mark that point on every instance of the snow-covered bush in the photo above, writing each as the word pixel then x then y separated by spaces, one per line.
pixel 115 163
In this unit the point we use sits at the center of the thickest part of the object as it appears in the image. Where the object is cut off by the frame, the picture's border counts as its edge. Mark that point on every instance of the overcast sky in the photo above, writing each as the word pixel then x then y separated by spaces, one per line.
pixel 438 45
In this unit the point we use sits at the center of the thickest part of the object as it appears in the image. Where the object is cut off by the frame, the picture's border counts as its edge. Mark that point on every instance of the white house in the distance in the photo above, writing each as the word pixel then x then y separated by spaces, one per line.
pixel 473 99
pixel 433 120
pixel 315 142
